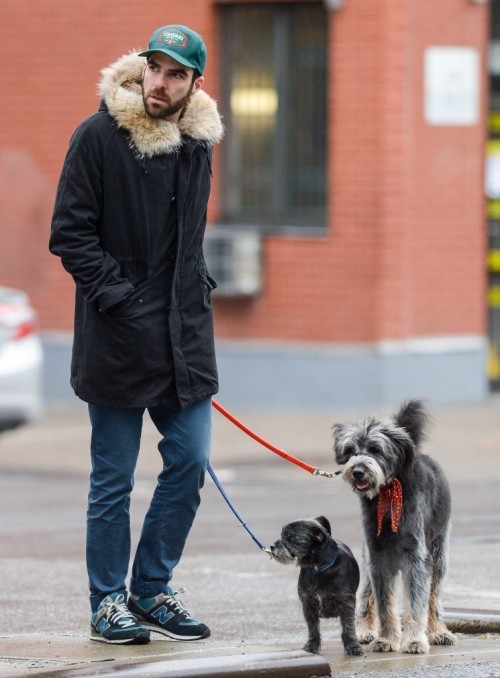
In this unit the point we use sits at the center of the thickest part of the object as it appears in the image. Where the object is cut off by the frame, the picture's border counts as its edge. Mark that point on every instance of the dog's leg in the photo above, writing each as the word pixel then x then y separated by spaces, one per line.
pixel 437 631
pixel 416 592
pixel 384 588
pixel 348 635
pixel 366 629
pixel 311 615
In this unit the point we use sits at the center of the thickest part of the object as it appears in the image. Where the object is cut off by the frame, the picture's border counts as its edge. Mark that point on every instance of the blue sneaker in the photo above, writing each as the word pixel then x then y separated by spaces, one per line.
pixel 114 623
pixel 166 614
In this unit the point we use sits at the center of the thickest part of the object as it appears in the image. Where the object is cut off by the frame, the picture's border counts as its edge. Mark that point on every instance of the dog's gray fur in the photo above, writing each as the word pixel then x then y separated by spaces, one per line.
pixel 328 579
pixel 373 453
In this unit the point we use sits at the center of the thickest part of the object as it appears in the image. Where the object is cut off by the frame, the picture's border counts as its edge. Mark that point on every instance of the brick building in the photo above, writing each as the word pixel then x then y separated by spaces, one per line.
pixel 349 189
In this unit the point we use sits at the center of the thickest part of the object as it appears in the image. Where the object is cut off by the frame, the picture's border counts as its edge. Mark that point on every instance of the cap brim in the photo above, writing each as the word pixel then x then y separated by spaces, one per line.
pixel 172 55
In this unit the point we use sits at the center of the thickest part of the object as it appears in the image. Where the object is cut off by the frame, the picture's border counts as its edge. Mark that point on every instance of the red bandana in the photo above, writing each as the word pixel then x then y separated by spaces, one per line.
pixel 390 499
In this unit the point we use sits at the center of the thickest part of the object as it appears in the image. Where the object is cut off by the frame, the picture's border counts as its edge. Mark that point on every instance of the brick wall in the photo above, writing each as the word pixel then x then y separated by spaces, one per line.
pixel 404 255
pixel 404 251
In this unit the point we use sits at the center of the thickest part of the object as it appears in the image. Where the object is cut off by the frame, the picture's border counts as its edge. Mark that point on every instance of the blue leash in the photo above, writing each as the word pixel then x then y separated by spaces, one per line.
pixel 243 522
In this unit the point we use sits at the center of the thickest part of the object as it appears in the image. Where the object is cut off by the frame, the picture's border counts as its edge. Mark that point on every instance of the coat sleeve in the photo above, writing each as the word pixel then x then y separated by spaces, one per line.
pixel 77 215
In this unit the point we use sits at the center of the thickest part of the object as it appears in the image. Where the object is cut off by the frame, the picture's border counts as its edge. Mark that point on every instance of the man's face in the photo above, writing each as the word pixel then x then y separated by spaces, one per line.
pixel 167 86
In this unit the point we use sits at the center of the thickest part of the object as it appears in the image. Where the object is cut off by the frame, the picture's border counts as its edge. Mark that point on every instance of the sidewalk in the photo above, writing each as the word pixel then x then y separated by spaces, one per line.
pixel 60 656
pixel 465 439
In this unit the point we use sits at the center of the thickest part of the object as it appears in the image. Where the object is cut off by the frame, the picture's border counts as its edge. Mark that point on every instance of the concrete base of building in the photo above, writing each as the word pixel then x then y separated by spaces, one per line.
pixel 322 377
pixel 284 376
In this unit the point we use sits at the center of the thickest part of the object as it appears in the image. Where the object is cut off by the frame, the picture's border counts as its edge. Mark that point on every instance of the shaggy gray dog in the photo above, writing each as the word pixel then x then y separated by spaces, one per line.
pixel 405 502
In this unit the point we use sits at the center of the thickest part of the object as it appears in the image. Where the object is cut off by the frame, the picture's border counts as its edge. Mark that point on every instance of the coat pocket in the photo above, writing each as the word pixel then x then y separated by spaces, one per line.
pixel 208 286
pixel 126 353
pixel 135 304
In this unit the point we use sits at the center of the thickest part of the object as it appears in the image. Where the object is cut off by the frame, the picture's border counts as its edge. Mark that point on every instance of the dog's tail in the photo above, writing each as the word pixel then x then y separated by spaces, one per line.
pixel 414 418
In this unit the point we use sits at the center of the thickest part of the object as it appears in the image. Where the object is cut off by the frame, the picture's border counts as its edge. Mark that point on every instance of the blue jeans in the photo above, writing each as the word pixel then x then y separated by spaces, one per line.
pixel 115 442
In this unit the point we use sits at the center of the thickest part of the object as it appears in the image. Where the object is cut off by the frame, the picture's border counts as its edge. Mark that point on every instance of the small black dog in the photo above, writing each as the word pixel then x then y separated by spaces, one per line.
pixel 328 580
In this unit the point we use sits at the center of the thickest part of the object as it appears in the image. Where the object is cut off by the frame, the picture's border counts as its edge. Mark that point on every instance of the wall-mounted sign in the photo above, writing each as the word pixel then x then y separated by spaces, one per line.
pixel 451 82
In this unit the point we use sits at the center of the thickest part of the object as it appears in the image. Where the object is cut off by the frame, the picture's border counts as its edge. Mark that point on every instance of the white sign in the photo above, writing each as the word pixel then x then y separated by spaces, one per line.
pixel 451 82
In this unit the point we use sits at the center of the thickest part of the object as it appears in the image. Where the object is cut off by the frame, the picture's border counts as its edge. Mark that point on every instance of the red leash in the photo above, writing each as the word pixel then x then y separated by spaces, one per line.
pixel 277 450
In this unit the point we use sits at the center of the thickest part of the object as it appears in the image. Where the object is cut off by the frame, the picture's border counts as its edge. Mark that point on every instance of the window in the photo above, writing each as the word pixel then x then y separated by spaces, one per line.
pixel 273 67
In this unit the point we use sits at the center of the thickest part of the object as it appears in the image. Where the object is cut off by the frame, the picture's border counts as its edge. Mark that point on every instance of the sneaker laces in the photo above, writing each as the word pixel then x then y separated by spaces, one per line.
pixel 117 612
pixel 177 603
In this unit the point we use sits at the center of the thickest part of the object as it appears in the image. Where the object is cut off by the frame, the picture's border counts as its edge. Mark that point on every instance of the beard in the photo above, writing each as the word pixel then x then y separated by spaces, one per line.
pixel 170 106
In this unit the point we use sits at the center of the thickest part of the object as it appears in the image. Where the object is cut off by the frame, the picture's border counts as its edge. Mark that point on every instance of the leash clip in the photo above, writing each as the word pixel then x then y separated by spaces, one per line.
pixel 326 474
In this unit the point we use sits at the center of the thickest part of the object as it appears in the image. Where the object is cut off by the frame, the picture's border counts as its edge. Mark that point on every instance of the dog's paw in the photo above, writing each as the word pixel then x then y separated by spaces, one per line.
pixel 311 647
pixel 354 650
pixel 383 645
pixel 443 638
pixel 365 633
pixel 415 647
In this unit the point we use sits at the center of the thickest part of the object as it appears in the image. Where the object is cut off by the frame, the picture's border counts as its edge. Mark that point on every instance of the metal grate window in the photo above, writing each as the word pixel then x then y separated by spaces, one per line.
pixel 274 64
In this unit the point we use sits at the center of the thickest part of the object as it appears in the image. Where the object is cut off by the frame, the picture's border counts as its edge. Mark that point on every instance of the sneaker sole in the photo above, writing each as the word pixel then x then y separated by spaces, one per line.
pixel 174 636
pixel 138 640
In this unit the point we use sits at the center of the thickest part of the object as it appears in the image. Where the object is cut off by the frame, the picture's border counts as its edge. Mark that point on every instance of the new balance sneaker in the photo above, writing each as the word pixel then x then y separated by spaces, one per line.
pixel 166 614
pixel 114 623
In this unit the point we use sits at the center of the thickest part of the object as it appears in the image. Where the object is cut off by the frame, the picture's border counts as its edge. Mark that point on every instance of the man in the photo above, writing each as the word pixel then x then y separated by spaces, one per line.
pixel 128 224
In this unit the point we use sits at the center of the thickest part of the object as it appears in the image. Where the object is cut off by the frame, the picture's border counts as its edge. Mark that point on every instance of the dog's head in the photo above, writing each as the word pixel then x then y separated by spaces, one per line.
pixel 374 451
pixel 300 539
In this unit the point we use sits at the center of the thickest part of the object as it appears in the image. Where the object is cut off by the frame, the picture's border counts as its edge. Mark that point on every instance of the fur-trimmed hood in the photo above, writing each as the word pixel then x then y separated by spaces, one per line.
pixel 120 88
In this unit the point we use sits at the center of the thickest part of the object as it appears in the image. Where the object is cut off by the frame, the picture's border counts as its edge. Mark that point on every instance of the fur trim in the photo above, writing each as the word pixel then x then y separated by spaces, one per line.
pixel 120 87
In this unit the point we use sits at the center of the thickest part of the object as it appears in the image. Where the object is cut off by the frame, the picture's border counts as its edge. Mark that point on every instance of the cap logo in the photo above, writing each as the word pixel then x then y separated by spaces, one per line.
pixel 173 37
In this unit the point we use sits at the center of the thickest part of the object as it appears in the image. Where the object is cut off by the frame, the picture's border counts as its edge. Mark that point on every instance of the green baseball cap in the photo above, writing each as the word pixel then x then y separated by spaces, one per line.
pixel 181 44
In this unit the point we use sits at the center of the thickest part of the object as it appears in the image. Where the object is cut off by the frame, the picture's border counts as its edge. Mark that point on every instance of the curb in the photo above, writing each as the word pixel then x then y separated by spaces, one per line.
pixel 293 664
pixel 472 621
pixel 75 661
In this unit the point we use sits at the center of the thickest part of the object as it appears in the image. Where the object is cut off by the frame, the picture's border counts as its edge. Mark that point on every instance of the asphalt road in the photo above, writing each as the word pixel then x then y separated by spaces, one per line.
pixel 230 584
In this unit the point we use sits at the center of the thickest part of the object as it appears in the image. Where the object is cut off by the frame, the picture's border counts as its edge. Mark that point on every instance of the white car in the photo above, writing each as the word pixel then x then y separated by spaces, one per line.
pixel 21 360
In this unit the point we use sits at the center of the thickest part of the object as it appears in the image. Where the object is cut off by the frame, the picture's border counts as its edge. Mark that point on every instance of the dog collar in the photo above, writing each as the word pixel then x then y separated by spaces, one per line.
pixel 319 569
pixel 390 500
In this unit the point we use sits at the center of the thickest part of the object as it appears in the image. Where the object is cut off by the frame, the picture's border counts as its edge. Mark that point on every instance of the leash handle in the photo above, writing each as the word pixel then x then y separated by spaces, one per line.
pixel 243 522
pixel 259 439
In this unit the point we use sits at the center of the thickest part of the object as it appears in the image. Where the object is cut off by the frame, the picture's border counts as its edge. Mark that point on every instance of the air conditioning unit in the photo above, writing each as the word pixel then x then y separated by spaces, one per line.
pixel 234 260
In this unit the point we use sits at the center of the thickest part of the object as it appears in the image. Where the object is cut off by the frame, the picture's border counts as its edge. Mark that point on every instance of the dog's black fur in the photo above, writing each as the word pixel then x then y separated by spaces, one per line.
pixel 328 579
pixel 374 453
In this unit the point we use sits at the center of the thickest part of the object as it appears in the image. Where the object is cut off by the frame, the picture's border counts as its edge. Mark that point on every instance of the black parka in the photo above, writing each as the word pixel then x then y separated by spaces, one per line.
pixel 128 224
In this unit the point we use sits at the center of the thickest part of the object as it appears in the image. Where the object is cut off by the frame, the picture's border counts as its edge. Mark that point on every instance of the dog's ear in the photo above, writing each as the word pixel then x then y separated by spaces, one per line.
pixel 408 457
pixel 406 449
pixel 324 522
pixel 339 431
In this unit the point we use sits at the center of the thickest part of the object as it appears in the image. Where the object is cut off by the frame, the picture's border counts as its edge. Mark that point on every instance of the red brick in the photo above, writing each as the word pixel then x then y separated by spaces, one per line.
pixel 403 254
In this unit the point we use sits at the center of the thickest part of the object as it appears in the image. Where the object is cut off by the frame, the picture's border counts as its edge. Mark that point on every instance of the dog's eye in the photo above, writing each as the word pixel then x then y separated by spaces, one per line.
pixel 372 448
pixel 348 449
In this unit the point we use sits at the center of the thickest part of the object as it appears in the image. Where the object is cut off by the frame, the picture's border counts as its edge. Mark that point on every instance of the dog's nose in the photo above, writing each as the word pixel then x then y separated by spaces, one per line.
pixel 358 473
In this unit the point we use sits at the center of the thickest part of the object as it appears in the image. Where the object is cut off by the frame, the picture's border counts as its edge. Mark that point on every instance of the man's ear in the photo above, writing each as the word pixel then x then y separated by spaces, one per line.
pixel 198 83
